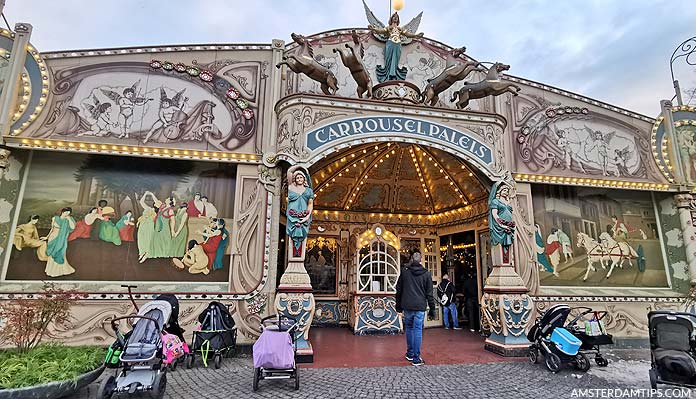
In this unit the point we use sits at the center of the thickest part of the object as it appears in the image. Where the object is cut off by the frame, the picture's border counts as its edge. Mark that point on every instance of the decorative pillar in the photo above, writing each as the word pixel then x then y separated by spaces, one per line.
pixel 294 297
pixel 687 216
pixel 506 306
pixel 15 68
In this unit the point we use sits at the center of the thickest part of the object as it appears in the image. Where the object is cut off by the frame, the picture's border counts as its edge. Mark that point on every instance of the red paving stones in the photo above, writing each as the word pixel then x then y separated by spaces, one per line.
pixel 338 347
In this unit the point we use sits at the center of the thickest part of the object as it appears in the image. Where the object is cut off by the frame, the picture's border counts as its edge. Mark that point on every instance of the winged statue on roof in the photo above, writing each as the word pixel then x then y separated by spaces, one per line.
pixel 395 36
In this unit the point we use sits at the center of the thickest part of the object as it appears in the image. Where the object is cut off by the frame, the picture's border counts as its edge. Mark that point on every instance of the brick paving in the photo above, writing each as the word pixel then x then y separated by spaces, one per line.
pixel 492 380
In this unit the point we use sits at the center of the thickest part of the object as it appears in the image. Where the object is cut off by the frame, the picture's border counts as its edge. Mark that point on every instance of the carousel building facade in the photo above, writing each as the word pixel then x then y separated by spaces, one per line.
pixel 300 176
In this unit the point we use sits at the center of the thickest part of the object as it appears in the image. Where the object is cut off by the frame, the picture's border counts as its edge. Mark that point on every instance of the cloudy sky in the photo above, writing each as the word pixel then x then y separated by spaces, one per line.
pixel 617 51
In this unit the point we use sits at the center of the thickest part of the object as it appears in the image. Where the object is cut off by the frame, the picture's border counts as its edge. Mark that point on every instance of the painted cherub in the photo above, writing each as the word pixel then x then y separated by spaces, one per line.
pixel 102 122
pixel 126 103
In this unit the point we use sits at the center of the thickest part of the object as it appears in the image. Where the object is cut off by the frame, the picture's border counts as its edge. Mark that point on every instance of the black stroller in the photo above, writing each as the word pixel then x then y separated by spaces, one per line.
pixel 558 345
pixel 275 351
pixel 672 348
pixel 217 336
pixel 591 343
pixel 139 354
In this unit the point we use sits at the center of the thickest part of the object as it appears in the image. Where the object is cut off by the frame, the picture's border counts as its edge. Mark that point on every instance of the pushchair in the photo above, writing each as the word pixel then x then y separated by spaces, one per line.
pixel 591 342
pixel 558 345
pixel 275 351
pixel 141 354
pixel 672 348
pixel 216 337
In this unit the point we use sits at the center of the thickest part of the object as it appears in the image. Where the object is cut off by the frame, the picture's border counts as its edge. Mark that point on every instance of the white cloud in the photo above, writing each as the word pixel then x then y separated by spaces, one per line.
pixel 613 51
pixel 680 270
pixel 674 238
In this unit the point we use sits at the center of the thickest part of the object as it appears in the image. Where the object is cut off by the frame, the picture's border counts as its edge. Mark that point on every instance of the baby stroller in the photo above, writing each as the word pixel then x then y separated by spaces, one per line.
pixel 672 348
pixel 558 345
pixel 591 342
pixel 142 353
pixel 275 351
pixel 217 336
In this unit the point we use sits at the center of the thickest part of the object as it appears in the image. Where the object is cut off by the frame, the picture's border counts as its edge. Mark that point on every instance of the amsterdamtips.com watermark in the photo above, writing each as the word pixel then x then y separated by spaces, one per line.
pixel 631 393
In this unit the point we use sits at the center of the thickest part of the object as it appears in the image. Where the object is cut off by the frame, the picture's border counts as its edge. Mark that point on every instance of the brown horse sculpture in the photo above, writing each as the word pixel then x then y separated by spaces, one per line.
pixel 353 61
pixel 455 70
pixel 492 85
pixel 303 62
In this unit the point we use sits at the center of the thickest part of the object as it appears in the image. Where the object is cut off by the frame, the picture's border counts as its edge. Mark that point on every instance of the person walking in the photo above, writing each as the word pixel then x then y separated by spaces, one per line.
pixel 471 300
pixel 445 293
pixel 414 294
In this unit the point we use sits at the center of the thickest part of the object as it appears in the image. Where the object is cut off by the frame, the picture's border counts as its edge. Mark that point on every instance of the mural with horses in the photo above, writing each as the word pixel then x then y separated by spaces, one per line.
pixel 597 237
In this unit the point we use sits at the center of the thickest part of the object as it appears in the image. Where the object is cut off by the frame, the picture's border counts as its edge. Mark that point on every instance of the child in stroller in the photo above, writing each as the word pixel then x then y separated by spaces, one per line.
pixel 275 350
pixel 140 354
pixel 672 348
pixel 216 336
pixel 558 345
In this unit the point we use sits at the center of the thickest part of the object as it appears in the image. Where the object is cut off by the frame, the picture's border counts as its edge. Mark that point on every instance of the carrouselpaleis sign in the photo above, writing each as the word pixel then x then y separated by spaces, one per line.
pixel 389 125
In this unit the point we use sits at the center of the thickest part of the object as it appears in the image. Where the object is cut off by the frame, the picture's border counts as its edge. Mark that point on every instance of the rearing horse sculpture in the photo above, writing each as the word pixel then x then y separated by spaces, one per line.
pixel 455 70
pixel 492 85
pixel 353 61
pixel 303 62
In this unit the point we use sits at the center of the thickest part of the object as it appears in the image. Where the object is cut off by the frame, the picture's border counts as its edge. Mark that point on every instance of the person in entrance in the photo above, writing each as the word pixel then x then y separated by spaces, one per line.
pixel 414 294
pixel 445 294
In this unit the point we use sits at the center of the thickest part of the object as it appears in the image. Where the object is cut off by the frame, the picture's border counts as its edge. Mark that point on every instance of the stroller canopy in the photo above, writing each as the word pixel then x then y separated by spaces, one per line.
pixel 216 317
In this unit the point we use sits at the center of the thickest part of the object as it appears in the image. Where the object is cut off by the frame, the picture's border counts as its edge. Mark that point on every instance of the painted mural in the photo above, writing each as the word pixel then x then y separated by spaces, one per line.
pixel 558 138
pixel 161 103
pixel 320 263
pixel 686 134
pixel 597 237
pixel 107 218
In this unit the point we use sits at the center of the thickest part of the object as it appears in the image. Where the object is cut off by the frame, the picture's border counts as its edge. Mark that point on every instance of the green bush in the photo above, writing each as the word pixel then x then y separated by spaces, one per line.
pixel 47 363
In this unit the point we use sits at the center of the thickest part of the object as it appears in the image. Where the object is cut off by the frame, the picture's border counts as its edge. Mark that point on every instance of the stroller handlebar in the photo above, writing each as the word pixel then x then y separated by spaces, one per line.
pixel 284 323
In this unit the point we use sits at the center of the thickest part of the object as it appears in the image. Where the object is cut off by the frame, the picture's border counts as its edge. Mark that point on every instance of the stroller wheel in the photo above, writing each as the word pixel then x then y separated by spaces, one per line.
pixel 553 362
pixel 653 378
pixel 601 361
pixel 257 376
pixel 173 365
pixel 533 354
pixel 582 363
pixel 107 387
pixel 190 360
pixel 218 360
pixel 159 386
pixel 297 378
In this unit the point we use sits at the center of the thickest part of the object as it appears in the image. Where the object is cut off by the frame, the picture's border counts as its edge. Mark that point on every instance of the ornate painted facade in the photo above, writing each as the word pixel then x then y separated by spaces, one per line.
pixel 187 147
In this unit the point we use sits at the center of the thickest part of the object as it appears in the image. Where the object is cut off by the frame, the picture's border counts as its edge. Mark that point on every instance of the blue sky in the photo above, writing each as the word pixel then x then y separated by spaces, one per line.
pixel 614 50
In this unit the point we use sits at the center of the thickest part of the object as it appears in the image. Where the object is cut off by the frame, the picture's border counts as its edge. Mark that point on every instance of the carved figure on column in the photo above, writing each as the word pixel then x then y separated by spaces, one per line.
pixel 4 158
pixel 492 85
pixel 300 207
pixel 455 70
pixel 353 61
pixel 303 62
pixel 500 219
pixel 394 36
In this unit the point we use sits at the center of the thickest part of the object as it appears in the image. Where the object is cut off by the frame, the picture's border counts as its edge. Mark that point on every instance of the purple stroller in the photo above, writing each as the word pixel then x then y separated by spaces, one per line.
pixel 275 351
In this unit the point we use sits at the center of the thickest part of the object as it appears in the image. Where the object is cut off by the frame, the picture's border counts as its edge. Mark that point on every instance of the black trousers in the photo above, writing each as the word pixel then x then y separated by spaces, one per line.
pixel 471 306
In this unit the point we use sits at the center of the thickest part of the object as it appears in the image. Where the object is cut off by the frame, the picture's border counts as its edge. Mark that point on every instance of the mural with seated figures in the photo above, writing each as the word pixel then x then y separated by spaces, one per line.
pixel 109 218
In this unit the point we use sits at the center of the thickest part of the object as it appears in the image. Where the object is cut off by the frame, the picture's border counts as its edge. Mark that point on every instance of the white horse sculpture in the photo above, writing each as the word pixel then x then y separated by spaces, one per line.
pixel 618 252
pixel 595 253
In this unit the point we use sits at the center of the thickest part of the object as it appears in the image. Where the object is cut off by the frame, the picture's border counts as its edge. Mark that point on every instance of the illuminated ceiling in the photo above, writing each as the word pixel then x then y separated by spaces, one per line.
pixel 395 178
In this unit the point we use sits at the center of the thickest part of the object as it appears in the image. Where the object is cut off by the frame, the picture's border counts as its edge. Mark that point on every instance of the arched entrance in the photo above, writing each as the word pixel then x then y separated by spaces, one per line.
pixel 418 198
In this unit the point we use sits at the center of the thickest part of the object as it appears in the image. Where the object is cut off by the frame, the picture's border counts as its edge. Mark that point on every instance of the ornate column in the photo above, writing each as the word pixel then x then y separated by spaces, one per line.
pixel 506 306
pixel 294 297
pixel 687 216
pixel 8 98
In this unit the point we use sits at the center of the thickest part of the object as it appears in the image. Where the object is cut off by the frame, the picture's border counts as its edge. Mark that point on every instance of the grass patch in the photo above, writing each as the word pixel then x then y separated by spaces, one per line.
pixel 47 363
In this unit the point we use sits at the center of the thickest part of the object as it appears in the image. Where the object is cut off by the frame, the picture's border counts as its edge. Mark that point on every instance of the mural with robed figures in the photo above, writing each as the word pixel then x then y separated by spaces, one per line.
pixel 108 218
pixel 597 237
pixel 199 106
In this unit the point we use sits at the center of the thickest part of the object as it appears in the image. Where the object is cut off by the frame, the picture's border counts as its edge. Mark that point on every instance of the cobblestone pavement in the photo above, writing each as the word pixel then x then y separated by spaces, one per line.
pixel 492 380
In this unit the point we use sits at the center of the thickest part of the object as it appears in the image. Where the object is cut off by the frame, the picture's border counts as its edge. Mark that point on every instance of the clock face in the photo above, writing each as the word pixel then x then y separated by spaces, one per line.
pixel 378 231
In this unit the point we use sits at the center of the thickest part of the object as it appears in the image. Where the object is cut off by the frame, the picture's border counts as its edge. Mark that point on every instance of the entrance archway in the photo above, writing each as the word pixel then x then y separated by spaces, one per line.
pixel 420 193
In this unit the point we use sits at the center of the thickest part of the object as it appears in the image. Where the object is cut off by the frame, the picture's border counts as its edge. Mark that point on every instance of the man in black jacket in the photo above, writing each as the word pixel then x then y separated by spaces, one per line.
pixel 445 294
pixel 414 294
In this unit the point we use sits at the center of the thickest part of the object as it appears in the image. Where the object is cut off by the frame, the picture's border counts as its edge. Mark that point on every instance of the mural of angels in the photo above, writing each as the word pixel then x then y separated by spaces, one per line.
pixel 171 112
pixel 126 102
